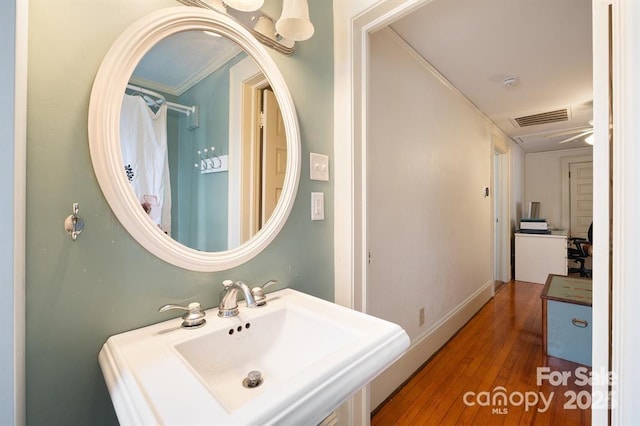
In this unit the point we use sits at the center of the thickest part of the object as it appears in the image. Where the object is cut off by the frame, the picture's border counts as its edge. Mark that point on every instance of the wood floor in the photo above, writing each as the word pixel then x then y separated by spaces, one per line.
pixel 496 354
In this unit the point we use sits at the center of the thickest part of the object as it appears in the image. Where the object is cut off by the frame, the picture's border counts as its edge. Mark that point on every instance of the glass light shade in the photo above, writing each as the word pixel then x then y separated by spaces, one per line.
pixel 294 23
pixel 244 5
pixel 266 27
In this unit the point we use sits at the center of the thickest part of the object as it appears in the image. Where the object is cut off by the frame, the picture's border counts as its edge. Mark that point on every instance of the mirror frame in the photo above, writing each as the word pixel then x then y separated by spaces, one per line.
pixel 104 135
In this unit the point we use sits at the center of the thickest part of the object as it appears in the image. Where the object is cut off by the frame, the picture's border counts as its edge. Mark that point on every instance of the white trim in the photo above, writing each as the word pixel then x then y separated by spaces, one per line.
pixel 626 210
pixel 601 196
pixel 104 141
pixel 431 340
pixel 239 73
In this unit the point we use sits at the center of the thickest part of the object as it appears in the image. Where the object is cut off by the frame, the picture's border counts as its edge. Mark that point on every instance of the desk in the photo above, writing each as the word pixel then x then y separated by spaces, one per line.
pixel 567 318
pixel 538 255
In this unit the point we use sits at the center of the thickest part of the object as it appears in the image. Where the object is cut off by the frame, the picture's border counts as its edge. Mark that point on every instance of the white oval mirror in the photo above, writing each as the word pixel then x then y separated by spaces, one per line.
pixel 227 176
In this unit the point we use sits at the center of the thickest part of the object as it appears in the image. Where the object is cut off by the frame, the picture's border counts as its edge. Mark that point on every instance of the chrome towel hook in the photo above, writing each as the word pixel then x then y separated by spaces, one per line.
pixel 74 224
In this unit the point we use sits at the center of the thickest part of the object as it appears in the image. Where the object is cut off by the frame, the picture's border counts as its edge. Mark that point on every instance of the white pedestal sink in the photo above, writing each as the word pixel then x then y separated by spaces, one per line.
pixel 312 356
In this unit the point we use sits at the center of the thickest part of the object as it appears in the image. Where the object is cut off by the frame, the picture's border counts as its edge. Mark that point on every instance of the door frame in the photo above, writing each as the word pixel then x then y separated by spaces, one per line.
pixel 565 196
pixel 574 198
pixel 246 80
pixel 625 208
pixel 501 200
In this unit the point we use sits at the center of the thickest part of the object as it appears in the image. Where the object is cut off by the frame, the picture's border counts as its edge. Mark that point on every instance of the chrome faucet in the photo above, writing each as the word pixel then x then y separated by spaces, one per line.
pixel 229 305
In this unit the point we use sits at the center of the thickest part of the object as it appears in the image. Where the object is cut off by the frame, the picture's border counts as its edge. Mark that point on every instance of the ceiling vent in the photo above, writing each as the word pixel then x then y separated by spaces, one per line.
pixel 542 118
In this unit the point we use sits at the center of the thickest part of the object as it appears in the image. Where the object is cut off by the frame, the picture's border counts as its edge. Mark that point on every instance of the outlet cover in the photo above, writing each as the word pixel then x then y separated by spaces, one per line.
pixel 317 206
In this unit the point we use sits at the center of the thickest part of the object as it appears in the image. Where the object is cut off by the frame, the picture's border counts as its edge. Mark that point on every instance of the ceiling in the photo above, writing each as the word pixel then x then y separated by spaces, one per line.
pixel 178 62
pixel 182 60
pixel 475 44
pixel 545 44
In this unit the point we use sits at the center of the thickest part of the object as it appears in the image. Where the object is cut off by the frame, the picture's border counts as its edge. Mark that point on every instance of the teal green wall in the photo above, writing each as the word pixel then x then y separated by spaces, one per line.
pixel 79 293
pixel 202 200
pixel 10 130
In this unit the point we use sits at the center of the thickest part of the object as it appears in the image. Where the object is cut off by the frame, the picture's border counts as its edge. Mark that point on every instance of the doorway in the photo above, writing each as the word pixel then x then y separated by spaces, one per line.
pixel 257 152
pixel 354 23
pixel 501 219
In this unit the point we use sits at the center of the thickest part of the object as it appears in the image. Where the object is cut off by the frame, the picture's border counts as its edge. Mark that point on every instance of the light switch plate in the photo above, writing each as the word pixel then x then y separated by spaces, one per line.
pixel 317 206
pixel 319 167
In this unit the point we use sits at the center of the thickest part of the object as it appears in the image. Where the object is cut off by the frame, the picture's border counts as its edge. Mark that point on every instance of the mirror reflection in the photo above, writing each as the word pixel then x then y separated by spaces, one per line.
pixel 203 141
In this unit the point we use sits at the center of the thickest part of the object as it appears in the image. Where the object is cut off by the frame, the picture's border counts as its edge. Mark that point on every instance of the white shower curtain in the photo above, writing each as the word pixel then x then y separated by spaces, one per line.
pixel 143 136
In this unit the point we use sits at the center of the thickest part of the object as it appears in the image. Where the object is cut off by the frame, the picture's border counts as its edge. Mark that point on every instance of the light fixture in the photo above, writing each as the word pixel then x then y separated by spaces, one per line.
pixel 244 5
pixel 294 23
pixel 295 20
pixel 265 26
pixel 589 139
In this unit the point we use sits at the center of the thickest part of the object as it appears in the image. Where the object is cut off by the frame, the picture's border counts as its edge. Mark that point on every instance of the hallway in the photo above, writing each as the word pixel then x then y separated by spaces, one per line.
pixel 496 354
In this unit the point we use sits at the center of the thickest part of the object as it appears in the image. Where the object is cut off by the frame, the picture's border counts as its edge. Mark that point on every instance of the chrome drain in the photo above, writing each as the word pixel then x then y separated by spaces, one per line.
pixel 253 379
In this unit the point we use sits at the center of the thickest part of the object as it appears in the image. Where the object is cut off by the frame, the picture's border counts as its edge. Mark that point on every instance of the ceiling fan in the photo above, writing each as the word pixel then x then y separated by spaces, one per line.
pixel 583 132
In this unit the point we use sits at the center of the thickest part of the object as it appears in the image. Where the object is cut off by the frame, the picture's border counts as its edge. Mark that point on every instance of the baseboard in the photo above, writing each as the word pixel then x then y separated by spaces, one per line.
pixel 427 345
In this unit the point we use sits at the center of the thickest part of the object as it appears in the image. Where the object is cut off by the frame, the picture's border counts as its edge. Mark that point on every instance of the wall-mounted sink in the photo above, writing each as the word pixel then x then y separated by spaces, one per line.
pixel 312 355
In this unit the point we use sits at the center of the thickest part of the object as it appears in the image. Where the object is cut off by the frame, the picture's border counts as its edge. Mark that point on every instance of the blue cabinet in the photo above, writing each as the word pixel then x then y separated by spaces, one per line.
pixel 567 318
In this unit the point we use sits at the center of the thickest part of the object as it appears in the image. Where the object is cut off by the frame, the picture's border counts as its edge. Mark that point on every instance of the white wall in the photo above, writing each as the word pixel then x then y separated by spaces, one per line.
pixel 429 157
pixel 543 182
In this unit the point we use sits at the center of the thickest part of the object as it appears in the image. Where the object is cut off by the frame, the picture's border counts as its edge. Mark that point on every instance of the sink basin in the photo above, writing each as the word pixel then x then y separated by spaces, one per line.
pixel 282 346
pixel 312 355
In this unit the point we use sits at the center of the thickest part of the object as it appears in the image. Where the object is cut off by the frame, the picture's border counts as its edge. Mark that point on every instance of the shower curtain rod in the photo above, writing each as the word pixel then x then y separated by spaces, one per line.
pixel 171 105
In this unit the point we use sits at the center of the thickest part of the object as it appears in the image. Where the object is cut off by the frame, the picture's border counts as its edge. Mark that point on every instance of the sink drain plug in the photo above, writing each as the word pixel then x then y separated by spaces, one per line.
pixel 253 379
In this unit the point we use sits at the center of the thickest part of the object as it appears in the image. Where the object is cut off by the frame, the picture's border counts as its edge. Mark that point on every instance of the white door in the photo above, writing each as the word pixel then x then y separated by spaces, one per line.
pixel 581 198
pixel 274 159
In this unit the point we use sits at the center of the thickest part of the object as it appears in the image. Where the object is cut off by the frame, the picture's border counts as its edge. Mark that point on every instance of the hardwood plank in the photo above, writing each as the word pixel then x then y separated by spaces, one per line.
pixel 501 347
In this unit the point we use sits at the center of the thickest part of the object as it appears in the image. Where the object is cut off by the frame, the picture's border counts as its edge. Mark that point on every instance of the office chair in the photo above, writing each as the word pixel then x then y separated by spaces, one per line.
pixel 580 253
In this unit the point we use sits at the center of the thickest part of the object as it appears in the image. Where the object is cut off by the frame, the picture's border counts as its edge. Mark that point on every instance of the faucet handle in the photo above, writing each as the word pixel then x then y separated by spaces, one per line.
pixel 193 318
pixel 269 283
pixel 227 284
pixel 258 292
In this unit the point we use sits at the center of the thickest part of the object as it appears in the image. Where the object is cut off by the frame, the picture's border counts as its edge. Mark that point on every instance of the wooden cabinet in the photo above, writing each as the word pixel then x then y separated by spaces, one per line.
pixel 538 255
pixel 567 318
